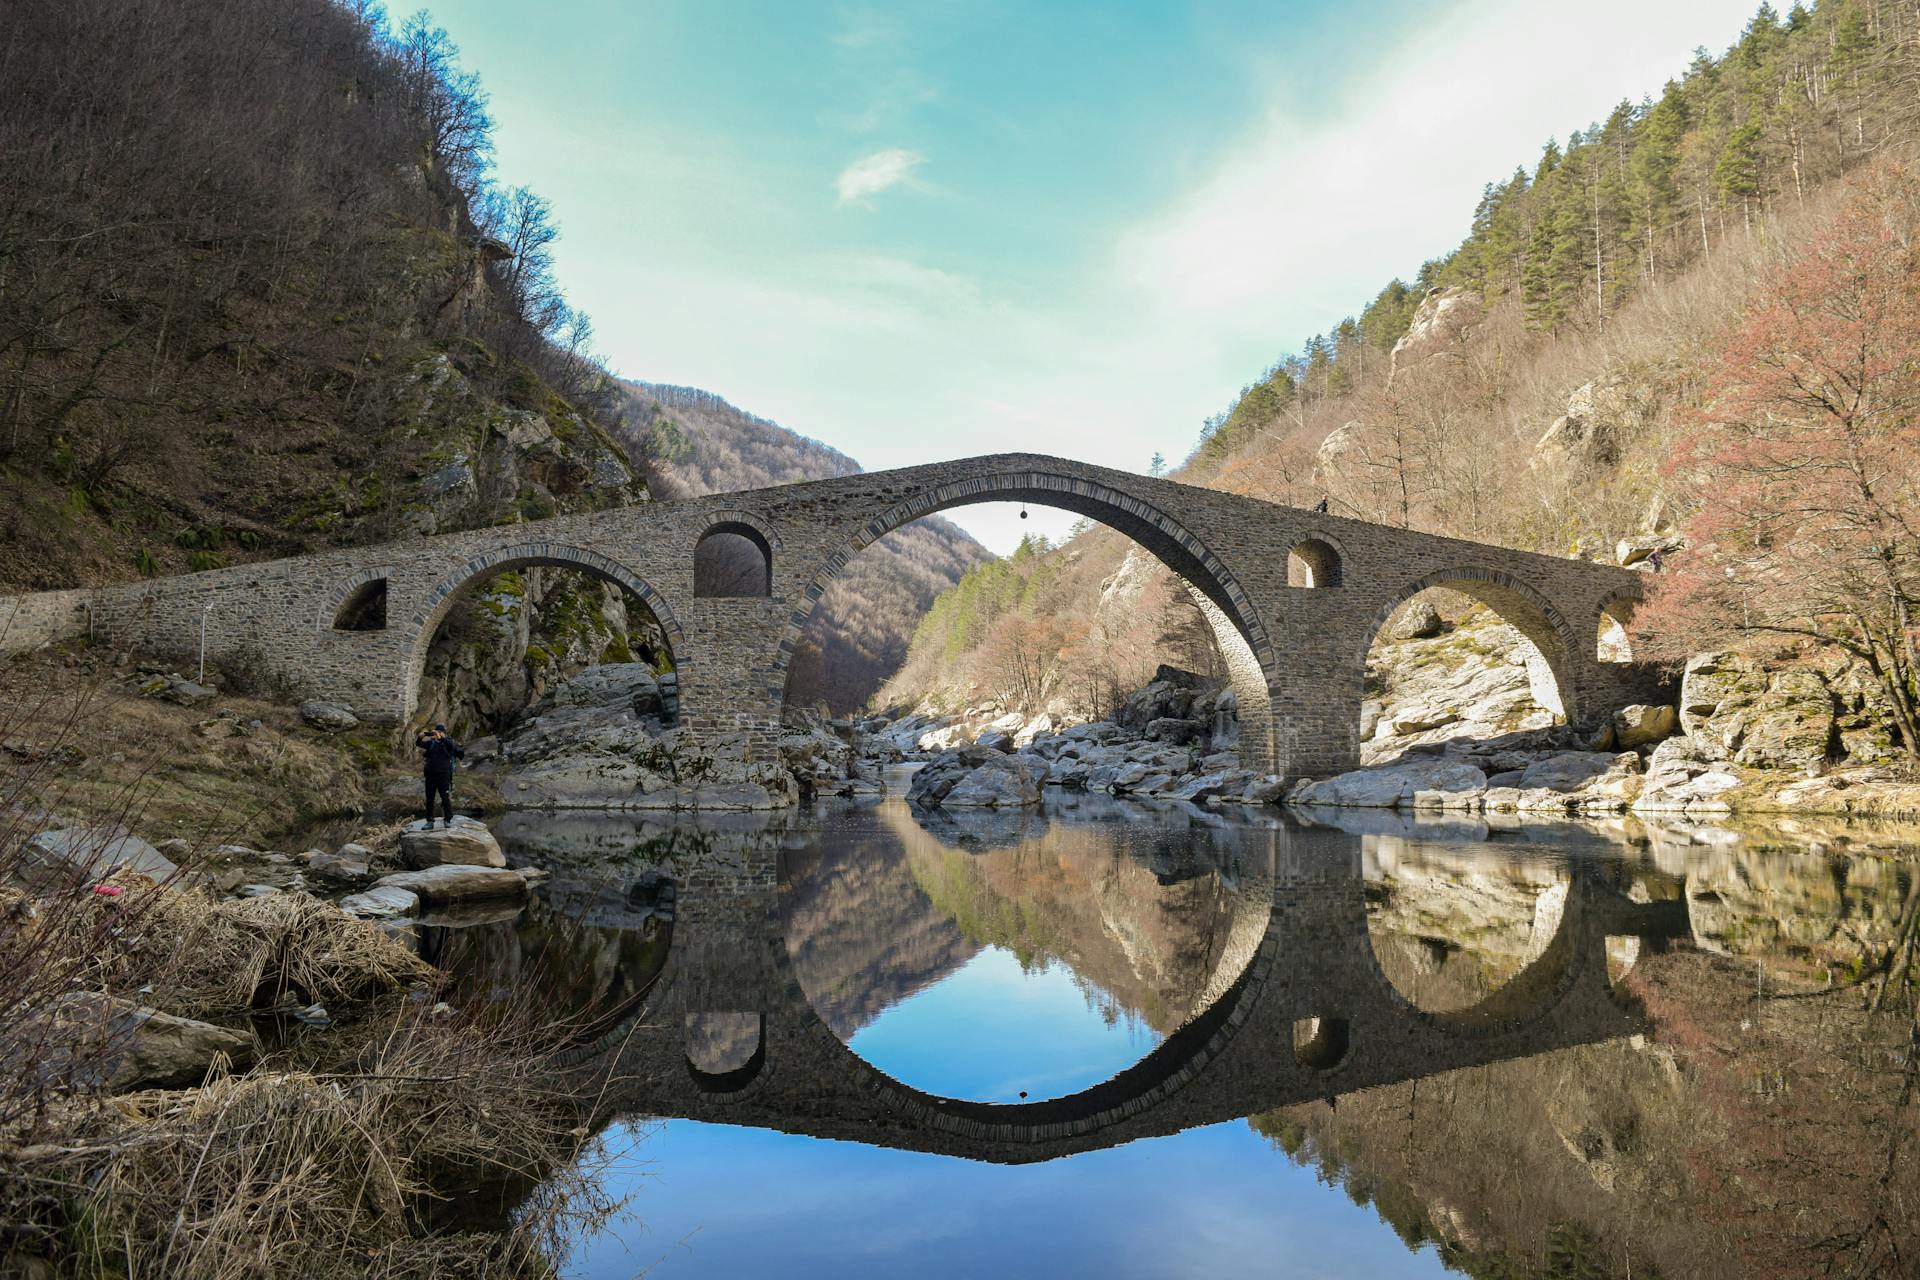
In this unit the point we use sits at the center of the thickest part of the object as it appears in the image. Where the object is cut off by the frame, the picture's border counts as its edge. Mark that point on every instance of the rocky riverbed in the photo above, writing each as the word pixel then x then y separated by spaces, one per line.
pixel 1459 717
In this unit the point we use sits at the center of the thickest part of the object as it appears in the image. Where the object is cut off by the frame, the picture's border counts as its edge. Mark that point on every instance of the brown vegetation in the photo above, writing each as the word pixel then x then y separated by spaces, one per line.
pixel 235 242
pixel 338 1153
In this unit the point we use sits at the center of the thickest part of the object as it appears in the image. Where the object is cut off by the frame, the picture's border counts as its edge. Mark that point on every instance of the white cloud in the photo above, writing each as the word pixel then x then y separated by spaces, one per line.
pixel 901 356
pixel 872 174
pixel 1298 209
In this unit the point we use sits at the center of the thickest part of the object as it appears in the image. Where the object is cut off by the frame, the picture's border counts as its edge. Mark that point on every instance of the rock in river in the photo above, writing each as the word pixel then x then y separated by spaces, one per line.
pixel 465 843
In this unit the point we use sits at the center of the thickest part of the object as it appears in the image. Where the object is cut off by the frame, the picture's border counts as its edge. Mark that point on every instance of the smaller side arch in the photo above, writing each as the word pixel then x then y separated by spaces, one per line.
pixel 1611 641
pixel 1517 604
pixel 726 1080
pixel 733 557
pixel 426 619
pixel 344 594
pixel 1316 561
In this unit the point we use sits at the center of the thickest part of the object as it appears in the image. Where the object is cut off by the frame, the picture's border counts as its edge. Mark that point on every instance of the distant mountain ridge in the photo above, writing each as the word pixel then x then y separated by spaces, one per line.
pixel 694 442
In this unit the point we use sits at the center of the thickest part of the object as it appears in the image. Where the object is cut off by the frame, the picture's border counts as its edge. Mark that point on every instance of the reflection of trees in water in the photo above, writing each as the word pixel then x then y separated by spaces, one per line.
pixel 1765 1127
pixel 1140 939
pixel 860 936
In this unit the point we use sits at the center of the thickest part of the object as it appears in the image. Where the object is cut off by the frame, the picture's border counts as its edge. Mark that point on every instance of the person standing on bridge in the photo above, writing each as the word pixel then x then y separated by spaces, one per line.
pixel 440 752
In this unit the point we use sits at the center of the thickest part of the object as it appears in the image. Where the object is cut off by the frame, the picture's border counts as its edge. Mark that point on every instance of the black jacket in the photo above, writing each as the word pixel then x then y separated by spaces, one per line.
pixel 440 753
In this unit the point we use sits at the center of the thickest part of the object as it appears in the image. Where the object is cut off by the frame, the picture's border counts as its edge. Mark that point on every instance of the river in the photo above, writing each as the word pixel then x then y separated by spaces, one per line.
pixel 1123 1039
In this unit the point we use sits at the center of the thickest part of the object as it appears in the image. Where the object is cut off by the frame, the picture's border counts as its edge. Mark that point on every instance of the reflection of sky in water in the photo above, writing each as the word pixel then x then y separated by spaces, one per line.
pixel 715 1200
pixel 988 1030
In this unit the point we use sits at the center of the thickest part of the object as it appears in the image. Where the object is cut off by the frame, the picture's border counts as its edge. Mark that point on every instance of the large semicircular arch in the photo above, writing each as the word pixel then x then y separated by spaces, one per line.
pixel 1141 521
pixel 1159 1075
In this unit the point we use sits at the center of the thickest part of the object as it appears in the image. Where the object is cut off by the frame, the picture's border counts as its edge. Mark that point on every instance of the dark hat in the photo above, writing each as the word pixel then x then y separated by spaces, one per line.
pixel 439 728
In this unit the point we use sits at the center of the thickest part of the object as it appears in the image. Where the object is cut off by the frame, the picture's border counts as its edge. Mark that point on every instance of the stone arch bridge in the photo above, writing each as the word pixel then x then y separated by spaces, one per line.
pixel 1294 597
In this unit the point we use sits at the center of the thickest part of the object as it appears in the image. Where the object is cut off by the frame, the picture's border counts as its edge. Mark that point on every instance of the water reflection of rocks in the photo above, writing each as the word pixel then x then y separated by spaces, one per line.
pixel 1246 945
pixel 1604 1041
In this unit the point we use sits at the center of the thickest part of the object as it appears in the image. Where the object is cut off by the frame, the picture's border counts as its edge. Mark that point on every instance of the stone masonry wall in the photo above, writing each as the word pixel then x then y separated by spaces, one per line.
pixel 1299 674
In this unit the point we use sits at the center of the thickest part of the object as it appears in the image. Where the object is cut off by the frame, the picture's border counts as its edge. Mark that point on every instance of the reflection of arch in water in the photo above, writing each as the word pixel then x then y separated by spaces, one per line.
pixel 913 858
pixel 1411 873
pixel 1313 960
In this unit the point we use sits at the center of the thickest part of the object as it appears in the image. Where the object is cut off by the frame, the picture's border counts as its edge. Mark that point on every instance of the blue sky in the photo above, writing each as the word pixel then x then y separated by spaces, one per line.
pixel 925 230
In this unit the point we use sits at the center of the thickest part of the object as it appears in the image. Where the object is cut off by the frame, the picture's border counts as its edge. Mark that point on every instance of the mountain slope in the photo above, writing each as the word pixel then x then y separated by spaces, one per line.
pixel 693 442
pixel 259 295
pixel 1529 388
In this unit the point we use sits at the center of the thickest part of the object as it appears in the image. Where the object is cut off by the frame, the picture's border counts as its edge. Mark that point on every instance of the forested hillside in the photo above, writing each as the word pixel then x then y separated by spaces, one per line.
pixel 260 292
pixel 1535 386
pixel 695 442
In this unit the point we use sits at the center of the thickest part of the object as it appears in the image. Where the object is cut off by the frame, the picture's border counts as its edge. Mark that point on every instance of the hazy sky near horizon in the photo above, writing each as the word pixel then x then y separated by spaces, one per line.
pixel 920 231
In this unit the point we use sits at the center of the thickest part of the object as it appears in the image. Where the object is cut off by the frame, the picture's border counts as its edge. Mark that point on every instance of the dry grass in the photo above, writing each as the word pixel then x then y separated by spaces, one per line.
pixel 400 1141
pixel 292 1172
pixel 115 754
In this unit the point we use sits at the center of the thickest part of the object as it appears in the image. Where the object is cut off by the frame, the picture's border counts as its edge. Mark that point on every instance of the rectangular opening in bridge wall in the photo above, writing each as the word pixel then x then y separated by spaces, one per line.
pixel 365 609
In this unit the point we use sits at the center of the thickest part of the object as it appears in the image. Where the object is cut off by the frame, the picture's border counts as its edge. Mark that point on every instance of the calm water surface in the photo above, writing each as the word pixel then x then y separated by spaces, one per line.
pixel 1114 1039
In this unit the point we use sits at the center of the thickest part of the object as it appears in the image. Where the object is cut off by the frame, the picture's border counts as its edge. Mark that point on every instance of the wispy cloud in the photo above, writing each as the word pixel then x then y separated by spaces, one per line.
pixel 864 29
pixel 872 174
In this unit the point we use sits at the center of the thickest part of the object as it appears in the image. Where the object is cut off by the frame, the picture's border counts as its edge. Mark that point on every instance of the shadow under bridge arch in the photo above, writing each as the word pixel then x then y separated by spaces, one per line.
pixel 1236 624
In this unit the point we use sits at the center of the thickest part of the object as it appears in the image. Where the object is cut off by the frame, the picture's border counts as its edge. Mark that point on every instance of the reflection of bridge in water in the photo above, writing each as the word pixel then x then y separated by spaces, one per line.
pixel 1297 1009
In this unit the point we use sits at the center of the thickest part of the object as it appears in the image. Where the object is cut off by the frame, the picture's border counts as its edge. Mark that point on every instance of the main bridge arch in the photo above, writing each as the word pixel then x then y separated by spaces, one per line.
pixel 1238 628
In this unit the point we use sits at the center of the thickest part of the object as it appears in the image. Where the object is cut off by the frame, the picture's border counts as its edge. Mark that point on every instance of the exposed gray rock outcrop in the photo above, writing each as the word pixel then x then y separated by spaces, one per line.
pixel 463 842
pixel 1443 318
pixel 88 853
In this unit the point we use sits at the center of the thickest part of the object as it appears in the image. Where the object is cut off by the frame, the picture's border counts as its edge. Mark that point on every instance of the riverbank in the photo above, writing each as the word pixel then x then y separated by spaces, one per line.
pixel 207 1067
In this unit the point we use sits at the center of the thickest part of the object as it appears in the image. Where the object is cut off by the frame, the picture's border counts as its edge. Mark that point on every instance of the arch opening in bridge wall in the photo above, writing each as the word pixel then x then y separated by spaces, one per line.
pixel 1437 683
pixel 1321 1043
pixel 1315 563
pixel 1238 630
pixel 1612 643
pixel 725 1051
pixel 440 601
pixel 733 559
pixel 365 609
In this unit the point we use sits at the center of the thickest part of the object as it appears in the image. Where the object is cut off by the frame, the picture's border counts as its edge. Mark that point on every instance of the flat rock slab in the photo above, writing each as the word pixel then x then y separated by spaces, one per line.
pixel 116 1044
pixel 453 884
pixel 382 902
pixel 90 853
pixel 466 843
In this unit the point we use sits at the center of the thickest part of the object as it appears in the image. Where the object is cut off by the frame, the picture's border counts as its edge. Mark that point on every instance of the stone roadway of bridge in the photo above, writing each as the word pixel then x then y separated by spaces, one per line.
pixel 1296 652
pixel 1307 955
